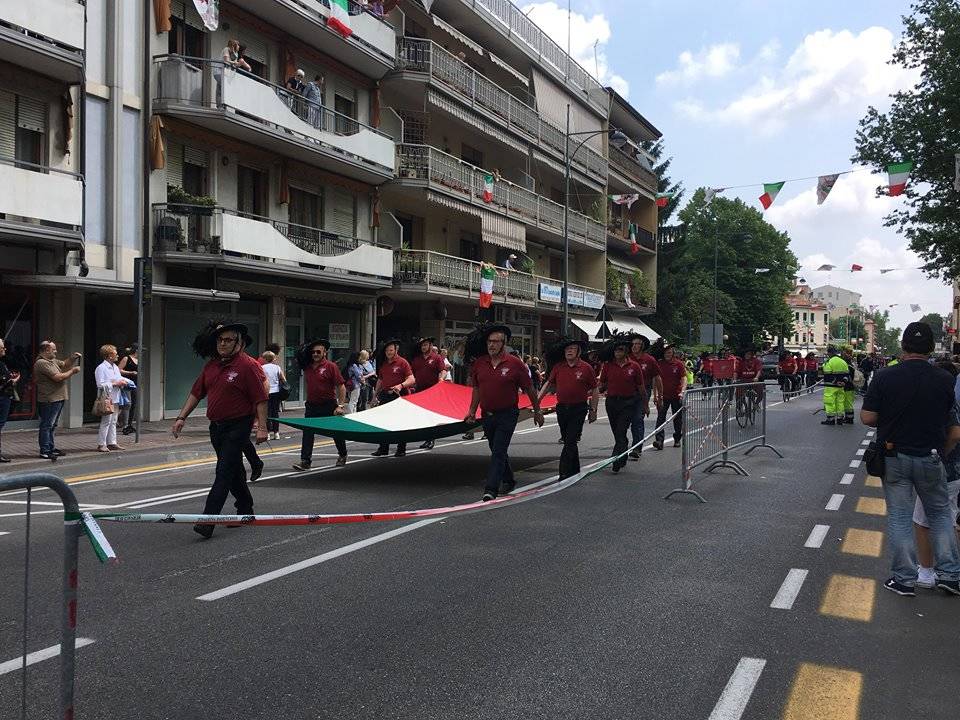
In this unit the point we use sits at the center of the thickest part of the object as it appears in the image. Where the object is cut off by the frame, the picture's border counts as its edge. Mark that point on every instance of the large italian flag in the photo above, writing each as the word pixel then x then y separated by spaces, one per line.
pixel 770 191
pixel 339 18
pixel 434 413
pixel 487 273
pixel 898 174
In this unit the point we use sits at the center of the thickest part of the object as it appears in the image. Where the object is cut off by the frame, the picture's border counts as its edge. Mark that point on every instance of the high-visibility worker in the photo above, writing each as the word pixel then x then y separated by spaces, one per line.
pixel 849 389
pixel 835 374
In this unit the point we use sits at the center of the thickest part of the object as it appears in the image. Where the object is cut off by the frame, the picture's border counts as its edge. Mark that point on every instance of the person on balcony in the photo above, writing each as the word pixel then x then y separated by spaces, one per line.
pixel 313 96
pixel 296 88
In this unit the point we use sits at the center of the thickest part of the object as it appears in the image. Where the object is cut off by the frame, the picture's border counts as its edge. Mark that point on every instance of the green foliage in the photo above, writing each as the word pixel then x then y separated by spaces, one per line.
pixel 886 340
pixel 664 184
pixel 923 125
pixel 936 322
pixel 839 326
pixel 176 195
pixel 614 283
pixel 641 292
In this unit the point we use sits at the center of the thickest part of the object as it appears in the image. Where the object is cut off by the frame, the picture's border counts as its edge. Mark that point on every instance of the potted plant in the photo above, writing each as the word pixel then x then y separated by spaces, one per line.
pixel 181 202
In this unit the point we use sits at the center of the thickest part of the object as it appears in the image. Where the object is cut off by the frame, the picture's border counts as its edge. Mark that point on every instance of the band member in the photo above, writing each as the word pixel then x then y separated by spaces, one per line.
pixel 673 374
pixel 639 345
pixel 428 370
pixel 623 381
pixel 394 378
pixel 326 396
pixel 575 381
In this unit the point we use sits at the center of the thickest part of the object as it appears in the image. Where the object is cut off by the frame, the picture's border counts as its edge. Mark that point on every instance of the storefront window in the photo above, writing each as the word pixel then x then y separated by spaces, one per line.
pixel 20 339
pixel 341 326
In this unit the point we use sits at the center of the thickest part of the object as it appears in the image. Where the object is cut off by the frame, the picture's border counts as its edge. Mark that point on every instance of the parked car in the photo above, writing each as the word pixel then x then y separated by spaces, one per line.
pixel 771 362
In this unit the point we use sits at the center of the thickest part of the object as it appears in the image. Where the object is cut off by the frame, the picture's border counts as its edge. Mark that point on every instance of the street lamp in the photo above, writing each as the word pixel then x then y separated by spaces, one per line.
pixel 618 139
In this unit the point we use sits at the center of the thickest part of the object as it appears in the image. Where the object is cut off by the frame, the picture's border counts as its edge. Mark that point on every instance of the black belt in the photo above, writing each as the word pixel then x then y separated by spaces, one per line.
pixel 622 397
pixel 913 452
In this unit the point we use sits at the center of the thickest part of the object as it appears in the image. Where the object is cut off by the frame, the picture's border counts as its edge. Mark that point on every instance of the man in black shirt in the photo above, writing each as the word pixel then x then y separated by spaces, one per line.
pixel 910 406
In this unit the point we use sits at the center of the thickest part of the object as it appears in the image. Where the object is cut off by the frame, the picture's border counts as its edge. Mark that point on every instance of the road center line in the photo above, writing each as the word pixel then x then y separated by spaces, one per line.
pixel 871 433
pixel 787 594
pixel 855 464
pixel 860 452
pixel 733 701
pixel 865 443
pixel 835 500
pixel 39 656
pixel 847 479
pixel 817 536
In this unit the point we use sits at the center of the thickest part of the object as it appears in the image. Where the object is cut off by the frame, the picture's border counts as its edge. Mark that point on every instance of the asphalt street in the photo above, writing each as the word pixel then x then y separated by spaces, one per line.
pixel 603 600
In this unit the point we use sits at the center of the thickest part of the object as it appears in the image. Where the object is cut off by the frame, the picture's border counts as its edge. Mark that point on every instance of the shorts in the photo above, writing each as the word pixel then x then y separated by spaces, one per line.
pixel 920 517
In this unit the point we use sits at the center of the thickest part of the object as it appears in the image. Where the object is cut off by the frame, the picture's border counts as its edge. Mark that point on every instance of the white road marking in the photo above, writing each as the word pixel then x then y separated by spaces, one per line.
pixel 835 500
pixel 35 512
pixel 855 464
pixel 39 656
pixel 787 594
pixel 847 479
pixel 871 433
pixel 740 686
pixel 860 452
pixel 865 443
pixel 4 533
pixel 817 536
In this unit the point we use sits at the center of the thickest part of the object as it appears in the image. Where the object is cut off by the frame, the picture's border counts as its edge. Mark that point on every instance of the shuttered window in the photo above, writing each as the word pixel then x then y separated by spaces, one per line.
pixel 255 48
pixel 193 156
pixel 31 114
pixel 8 124
pixel 342 219
pixel 184 10
pixel 174 163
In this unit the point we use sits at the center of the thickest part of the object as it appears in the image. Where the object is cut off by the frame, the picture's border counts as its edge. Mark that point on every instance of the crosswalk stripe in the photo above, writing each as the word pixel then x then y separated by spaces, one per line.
pixel 817 536
pixel 849 597
pixel 824 692
pixel 835 500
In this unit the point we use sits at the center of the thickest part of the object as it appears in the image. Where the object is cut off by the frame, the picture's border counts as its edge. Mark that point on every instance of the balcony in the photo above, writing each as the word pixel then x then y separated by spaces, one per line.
pixel 201 235
pixel 370 49
pixel 476 91
pixel 243 106
pixel 425 166
pixel 632 169
pixel 47 36
pixel 619 228
pixel 439 274
pixel 40 204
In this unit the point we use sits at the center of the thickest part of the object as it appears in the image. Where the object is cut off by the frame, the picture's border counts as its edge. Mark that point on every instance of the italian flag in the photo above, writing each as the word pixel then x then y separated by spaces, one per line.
pixel 770 191
pixel 488 188
pixel 663 199
pixel 898 173
pixel 339 18
pixel 487 273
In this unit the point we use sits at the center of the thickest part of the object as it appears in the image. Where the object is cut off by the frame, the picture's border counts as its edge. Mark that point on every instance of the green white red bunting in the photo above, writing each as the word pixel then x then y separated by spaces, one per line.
pixel 663 199
pixel 898 174
pixel 770 191
pixel 488 188
pixel 487 273
pixel 339 18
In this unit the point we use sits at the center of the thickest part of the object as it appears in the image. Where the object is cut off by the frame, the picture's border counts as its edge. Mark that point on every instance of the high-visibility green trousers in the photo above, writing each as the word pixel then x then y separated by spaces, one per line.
pixel 833 402
pixel 848 403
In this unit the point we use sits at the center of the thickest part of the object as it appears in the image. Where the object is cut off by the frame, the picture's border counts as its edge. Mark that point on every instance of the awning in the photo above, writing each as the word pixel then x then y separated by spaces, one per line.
pixel 516 73
pixel 495 229
pixel 447 27
pixel 617 325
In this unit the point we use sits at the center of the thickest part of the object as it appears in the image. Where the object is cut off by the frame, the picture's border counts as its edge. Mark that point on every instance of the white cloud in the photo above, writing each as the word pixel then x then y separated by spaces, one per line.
pixel 587 36
pixel 715 61
pixel 847 229
pixel 828 71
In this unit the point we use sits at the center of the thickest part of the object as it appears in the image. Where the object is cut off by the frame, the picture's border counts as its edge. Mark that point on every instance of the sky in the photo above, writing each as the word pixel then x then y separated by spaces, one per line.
pixel 748 92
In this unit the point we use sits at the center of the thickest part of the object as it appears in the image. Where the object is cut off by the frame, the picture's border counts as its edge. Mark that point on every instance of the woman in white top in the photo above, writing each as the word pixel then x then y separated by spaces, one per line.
pixel 110 381
pixel 275 378
pixel 447 366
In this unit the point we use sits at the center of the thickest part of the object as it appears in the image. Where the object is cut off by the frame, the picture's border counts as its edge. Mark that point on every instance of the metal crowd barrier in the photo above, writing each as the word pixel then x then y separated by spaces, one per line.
pixel 719 419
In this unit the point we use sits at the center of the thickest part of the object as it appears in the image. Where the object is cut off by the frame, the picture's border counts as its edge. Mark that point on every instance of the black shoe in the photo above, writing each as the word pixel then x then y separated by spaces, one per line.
pixel 615 468
pixel 676 442
pixel 658 444
pixel 58 452
pixel 560 441
pixel 128 430
pixel 829 422
pixel 342 461
pixel 848 421
pixel 428 445
pixel 4 459
pixel 380 453
pixel 399 453
pixel 635 454
pixel 899 588
pixel 302 465
pixel 950 586
pixel 48 456
pixel 205 530
pixel 507 487
pixel 256 471
pixel 467 436
pixel 487 497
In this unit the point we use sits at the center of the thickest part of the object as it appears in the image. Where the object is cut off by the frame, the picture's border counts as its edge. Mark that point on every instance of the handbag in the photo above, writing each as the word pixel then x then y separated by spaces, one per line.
pixel 103 405
pixel 875 456
pixel 284 392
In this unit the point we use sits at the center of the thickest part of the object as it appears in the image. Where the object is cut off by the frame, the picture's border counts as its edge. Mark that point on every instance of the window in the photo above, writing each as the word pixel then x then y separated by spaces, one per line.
pixel 471 155
pixel 250 188
pixel 346 108
pixel 826 318
pixel 804 317
pixel 796 316
pixel 184 39
pixel 469 248
pixel 306 208
pixel 23 128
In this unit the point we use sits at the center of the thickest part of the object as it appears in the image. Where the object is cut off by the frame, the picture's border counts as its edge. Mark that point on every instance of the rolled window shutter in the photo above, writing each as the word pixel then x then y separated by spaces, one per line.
pixel 185 10
pixel 342 219
pixel 31 114
pixel 174 163
pixel 193 156
pixel 255 47
pixel 8 125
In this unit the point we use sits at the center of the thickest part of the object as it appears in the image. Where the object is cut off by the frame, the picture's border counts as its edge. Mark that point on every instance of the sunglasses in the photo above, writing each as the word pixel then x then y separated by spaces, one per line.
pixel 317 352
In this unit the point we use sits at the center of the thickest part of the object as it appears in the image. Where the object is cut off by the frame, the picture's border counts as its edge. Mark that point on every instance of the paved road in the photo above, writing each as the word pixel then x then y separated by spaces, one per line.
pixel 601 601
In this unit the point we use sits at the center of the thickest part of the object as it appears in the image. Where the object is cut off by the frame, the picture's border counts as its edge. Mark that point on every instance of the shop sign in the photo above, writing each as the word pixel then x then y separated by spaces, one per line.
pixel 575 297
pixel 593 300
pixel 339 335
pixel 550 293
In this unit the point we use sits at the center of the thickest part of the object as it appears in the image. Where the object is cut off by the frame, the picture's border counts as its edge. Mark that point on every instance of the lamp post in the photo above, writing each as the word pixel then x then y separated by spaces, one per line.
pixel 615 136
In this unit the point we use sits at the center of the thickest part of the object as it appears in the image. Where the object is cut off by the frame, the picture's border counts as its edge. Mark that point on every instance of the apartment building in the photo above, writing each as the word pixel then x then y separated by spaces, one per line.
pixel 837 299
pixel 811 322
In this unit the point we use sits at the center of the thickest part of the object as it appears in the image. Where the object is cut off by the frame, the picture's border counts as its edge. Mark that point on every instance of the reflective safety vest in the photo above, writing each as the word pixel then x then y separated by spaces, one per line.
pixel 836 372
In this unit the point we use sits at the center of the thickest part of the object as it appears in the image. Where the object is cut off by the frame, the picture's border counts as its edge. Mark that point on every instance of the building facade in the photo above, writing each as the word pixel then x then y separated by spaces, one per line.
pixel 811 322
pixel 837 299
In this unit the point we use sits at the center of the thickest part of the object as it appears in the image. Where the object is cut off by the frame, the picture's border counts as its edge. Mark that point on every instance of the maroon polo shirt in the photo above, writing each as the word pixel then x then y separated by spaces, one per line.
pixel 750 367
pixel 574 383
pixel 232 388
pixel 672 373
pixel 649 365
pixel 498 386
pixel 623 380
pixel 426 370
pixel 322 380
pixel 393 372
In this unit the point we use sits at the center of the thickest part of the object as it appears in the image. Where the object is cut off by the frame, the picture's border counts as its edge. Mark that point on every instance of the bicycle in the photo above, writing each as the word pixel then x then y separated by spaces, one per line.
pixel 747 405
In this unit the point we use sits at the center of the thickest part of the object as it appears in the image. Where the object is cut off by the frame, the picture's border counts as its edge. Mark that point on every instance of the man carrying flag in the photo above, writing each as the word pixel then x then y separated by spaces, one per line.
pixel 622 379
pixel 427 368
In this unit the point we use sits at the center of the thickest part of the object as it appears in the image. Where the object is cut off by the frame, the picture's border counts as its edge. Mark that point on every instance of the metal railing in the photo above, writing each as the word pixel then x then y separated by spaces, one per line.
pixel 47 170
pixel 620 228
pixel 485 95
pixel 181 227
pixel 632 168
pixel 423 162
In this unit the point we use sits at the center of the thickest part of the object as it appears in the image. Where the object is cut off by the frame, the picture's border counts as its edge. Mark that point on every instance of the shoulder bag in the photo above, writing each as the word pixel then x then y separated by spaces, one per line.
pixel 103 405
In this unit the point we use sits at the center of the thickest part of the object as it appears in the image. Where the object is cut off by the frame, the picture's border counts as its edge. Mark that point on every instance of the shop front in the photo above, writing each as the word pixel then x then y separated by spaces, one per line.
pixel 19 331
pixel 340 325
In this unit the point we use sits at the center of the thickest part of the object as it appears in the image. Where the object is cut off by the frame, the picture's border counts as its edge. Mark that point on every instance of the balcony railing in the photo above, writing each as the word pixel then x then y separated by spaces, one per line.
pixel 41 195
pixel 482 93
pixel 213 84
pixel 58 21
pixel 632 168
pixel 620 228
pixel 422 162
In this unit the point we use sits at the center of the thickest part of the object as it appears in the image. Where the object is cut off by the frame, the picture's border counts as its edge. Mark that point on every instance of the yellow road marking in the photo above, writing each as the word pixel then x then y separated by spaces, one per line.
pixel 849 597
pixel 824 692
pixel 872 506
pixel 873 481
pixel 863 542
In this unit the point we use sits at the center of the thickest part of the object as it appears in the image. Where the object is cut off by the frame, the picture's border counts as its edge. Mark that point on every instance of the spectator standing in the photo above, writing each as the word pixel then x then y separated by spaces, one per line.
pixel 673 375
pixel 447 365
pixel 8 390
pixel 295 83
pixel 326 396
pixel 910 405
pixel 50 377
pixel 313 95
pixel 129 366
pixel 354 381
pixel 110 382
pixel 275 378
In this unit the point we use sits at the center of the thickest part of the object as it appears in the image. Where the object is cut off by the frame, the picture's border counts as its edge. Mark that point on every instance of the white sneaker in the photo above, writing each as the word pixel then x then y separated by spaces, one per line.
pixel 926 577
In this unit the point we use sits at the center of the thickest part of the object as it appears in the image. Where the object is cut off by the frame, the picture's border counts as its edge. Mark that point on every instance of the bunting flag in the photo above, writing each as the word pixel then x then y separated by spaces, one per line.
pixel 488 188
pixel 884 271
pixel 825 268
pixel 894 305
pixel 627 200
pixel 770 191
pixel 339 18
pixel 209 11
pixel 825 184
pixel 898 174
pixel 856 268
pixel 710 193
pixel 663 199
pixel 487 273
pixel 915 308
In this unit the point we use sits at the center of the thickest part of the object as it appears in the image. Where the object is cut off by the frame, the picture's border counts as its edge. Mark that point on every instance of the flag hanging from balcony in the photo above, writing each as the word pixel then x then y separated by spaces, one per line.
pixel 770 191
pixel 627 200
pixel 663 199
pixel 487 273
pixel 898 174
pixel 915 308
pixel 209 11
pixel 488 188
pixel 339 18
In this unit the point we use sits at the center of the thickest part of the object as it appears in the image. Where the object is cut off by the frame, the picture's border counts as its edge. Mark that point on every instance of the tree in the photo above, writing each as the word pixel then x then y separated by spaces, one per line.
pixel 664 183
pixel 923 125
pixel 936 323
pixel 839 328
pixel 886 340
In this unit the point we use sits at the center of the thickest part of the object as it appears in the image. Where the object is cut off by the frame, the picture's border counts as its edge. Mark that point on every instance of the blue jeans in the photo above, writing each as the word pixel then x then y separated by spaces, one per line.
pixel 926 475
pixel 49 417
pixel 498 426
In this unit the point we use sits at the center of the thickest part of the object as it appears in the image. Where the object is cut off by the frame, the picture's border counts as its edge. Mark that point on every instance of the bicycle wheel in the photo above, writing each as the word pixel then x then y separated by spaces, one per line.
pixel 754 403
pixel 742 412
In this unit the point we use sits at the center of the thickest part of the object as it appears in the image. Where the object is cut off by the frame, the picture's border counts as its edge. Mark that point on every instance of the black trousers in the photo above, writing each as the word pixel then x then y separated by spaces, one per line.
pixel 228 438
pixel 620 414
pixel 320 409
pixel 383 398
pixel 273 410
pixel 670 405
pixel 570 418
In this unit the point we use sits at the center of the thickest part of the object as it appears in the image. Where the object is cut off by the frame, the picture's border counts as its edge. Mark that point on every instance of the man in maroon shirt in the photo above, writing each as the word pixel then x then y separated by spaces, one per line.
pixel 575 382
pixel 427 369
pixel 394 378
pixel 639 345
pixel 674 376
pixel 236 392
pixel 625 387
pixel 496 378
pixel 326 396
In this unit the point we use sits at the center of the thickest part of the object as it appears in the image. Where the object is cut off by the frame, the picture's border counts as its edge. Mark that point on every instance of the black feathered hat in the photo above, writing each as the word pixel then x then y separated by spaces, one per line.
pixel 605 353
pixel 556 352
pixel 475 344
pixel 205 342
pixel 304 354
